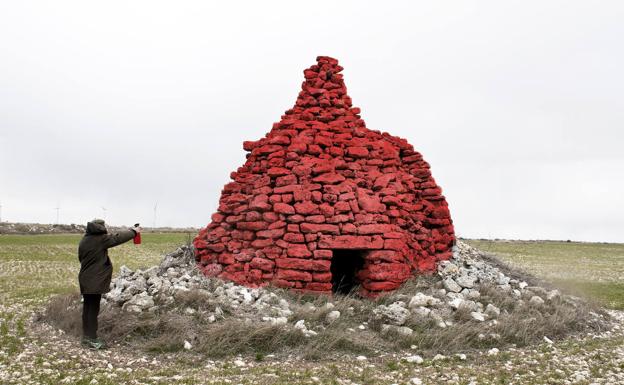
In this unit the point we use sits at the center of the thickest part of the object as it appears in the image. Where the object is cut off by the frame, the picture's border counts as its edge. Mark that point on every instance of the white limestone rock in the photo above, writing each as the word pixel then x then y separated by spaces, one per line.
pixel 477 316
pixel 466 281
pixel 415 359
pixel 456 303
pixel 332 316
pixel 451 285
pixel 395 313
pixel 536 300
pixel 125 271
pixel 447 268
pixel 421 311
pixel 400 330
pixel 139 303
pixel 553 294
pixel 472 294
pixel 492 311
pixel 421 299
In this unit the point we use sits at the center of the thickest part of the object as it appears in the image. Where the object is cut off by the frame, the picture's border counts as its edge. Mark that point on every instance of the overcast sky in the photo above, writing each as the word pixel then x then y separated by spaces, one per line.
pixel 517 105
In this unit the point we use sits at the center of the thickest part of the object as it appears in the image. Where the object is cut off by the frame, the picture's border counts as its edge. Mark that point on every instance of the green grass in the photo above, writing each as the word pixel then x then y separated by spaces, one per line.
pixel 594 270
pixel 36 266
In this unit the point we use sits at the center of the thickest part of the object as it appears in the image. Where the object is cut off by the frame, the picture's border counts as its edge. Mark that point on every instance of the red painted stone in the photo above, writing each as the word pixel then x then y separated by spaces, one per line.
pixel 306 208
pixel 323 254
pixel 274 233
pixel 294 275
pixel 351 242
pixel 329 178
pixel 384 256
pixel 252 225
pixel 262 264
pixel 303 264
pixel 294 238
pixel 376 228
pixel 320 181
pixel 319 286
pixel 319 228
pixel 298 251
pixel 368 202
pixel 283 208
pixel 357 152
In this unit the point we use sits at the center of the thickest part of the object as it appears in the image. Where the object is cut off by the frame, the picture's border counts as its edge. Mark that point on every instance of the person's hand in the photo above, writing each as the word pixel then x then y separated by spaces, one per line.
pixel 137 229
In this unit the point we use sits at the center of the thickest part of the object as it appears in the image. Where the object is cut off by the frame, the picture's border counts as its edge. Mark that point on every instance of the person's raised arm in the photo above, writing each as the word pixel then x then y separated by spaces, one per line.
pixel 122 236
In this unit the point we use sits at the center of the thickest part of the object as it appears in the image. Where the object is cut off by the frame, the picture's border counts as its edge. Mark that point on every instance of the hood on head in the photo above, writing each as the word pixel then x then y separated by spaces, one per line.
pixel 96 226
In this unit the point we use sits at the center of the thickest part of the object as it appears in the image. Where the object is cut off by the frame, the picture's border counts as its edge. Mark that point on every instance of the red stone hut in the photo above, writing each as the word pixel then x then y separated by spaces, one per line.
pixel 323 204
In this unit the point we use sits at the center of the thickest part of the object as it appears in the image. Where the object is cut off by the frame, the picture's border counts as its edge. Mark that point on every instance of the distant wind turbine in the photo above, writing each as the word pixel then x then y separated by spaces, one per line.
pixel 57 208
pixel 155 208
pixel 104 210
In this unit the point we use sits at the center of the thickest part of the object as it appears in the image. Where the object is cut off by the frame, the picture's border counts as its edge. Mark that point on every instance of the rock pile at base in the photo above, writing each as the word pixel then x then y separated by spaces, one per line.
pixel 321 182
pixel 158 287
pixel 457 286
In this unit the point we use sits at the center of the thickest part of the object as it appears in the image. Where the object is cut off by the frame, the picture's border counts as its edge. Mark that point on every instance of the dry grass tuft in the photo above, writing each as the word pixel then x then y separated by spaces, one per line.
pixel 168 329
pixel 64 312
pixel 462 314
pixel 520 323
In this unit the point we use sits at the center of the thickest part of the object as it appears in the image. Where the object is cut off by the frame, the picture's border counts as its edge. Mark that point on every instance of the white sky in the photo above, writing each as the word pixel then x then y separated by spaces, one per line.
pixel 517 105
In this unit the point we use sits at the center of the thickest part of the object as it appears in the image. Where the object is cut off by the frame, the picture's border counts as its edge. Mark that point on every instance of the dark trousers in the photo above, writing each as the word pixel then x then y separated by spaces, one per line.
pixel 90 311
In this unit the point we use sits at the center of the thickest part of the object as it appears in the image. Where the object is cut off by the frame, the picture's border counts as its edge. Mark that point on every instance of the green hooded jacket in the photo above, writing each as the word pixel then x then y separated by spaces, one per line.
pixel 96 269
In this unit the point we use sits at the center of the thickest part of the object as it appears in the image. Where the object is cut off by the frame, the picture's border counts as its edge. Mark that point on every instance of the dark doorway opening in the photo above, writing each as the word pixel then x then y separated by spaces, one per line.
pixel 345 264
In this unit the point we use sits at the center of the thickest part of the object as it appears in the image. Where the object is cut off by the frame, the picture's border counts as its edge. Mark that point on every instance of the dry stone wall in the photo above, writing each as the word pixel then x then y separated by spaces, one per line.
pixel 321 182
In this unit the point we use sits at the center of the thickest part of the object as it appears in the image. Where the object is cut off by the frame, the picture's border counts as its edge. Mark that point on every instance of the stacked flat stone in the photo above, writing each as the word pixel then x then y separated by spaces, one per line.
pixel 321 181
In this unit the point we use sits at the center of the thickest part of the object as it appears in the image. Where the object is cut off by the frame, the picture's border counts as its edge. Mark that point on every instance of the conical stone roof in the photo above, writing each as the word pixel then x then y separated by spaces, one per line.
pixel 319 184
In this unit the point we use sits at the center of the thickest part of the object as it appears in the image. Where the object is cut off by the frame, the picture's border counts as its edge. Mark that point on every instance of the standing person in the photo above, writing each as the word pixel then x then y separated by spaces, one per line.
pixel 95 275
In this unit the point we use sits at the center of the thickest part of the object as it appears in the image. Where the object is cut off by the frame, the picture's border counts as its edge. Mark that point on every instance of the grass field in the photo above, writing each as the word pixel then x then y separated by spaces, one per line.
pixel 32 268
pixel 36 266
pixel 594 270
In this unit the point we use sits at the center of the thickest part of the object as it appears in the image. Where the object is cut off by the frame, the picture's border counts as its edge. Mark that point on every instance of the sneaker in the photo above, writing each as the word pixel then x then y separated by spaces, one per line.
pixel 93 343
pixel 102 343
